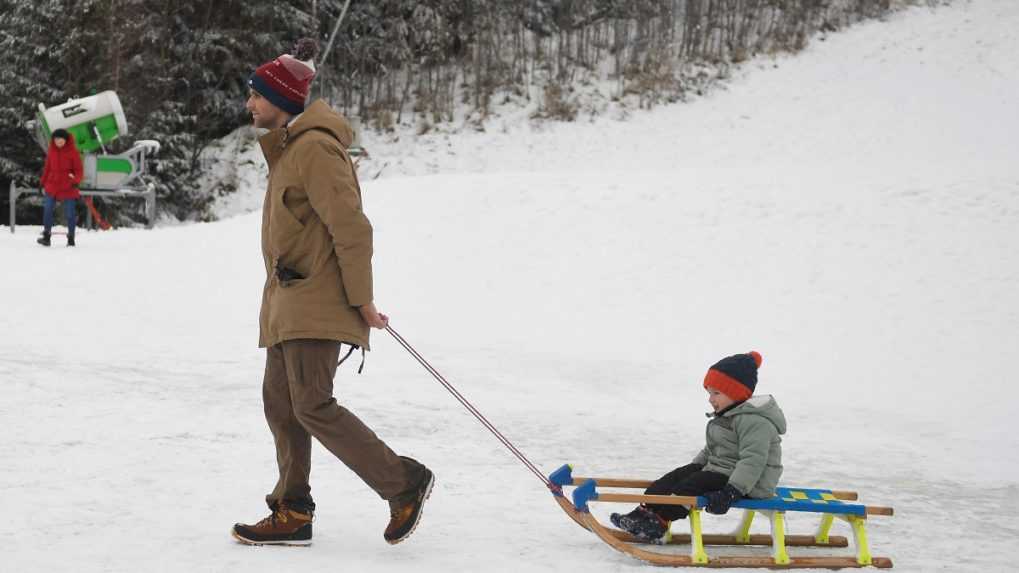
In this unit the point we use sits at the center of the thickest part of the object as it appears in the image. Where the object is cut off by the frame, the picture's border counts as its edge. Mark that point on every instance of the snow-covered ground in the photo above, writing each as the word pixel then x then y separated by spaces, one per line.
pixel 852 213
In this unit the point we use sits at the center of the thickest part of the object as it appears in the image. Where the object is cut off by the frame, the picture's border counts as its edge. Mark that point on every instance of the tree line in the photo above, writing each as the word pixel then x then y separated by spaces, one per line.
pixel 180 67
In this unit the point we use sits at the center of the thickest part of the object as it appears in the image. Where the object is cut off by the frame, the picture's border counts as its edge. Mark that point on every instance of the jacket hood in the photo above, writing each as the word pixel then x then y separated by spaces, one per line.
pixel 70 145
pixel 764 406
pixel 320 116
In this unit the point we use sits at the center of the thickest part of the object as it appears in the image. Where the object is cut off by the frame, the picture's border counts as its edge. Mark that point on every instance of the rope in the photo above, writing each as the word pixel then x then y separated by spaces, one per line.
pixel 470 407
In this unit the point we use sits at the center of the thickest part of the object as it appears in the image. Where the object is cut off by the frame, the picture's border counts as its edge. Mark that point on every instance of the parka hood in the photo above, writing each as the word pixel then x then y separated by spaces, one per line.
pixel 764 406
pixel 317 116
pixel 320 116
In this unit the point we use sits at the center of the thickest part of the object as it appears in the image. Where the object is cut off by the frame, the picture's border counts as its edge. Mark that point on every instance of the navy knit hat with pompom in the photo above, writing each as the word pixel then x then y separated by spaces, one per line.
pixel 735 376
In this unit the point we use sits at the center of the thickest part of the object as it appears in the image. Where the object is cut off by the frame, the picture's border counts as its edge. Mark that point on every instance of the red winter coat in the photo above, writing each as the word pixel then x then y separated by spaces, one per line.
pixel 63 171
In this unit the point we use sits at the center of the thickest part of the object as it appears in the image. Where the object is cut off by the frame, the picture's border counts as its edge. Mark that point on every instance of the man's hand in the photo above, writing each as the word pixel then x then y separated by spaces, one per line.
pixel 372 316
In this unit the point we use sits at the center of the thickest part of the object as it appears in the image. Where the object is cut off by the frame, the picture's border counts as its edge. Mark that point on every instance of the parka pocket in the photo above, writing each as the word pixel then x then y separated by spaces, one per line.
pixel 282 215
pixel 287 276
pixel 284 227
pixel 292 283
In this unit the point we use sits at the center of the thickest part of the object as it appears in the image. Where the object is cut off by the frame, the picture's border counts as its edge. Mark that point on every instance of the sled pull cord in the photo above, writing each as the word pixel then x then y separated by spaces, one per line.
pixel 470 407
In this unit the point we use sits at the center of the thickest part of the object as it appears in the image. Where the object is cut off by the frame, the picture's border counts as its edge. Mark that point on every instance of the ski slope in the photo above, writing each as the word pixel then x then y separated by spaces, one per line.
pixel 850 212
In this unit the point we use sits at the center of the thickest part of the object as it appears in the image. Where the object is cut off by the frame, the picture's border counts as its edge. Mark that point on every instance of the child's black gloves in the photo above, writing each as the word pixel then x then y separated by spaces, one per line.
pixel 720 501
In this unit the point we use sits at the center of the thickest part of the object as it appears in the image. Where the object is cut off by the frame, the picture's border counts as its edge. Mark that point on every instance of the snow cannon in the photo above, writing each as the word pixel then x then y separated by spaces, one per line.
pixel 95 121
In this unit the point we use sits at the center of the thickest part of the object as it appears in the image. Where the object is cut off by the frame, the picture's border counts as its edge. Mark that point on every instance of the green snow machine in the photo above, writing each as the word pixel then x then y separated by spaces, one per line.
pixel 95 121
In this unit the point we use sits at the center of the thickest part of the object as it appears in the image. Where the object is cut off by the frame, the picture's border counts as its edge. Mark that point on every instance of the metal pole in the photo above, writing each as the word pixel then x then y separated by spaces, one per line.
pixel 325 55
pixel 12 198
pixel 150 206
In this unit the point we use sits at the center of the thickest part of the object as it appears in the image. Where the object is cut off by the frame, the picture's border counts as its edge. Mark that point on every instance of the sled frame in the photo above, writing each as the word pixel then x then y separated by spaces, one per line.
pixel 827 503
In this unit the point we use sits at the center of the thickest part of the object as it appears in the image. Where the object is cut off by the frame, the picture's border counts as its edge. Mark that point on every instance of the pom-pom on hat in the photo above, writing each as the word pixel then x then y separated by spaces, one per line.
pixel 735 376
pixel 285 80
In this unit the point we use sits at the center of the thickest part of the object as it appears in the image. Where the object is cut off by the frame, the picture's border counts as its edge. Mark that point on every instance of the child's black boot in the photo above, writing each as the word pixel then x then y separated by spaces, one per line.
pixel 643 524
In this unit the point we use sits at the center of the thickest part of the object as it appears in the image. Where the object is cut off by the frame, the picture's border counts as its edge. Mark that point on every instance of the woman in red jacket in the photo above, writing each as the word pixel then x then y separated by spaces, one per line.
pixel 60 179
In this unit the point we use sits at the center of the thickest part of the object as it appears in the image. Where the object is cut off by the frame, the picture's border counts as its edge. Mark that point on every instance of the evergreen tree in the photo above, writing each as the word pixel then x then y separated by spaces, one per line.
pixel 180 68
pixel 36 69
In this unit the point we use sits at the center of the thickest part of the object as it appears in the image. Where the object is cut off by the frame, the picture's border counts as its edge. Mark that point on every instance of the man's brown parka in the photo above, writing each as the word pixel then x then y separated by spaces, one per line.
pixel 313 225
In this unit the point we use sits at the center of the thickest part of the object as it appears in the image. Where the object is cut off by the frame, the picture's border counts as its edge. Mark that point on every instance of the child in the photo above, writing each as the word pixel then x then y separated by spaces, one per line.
pixel 60 178
pixel 742 458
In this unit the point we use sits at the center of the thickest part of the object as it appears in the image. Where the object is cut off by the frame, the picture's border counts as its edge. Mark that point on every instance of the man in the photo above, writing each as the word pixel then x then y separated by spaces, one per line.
pixel 317 247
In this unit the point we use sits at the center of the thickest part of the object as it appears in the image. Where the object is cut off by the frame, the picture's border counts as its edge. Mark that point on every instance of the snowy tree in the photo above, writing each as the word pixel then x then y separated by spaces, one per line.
pixel 36 68
pixel 180 68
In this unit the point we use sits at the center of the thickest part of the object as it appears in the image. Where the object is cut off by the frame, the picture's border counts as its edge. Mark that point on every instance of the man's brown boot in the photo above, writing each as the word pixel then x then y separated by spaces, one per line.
pixel 284 526
pixel 405 513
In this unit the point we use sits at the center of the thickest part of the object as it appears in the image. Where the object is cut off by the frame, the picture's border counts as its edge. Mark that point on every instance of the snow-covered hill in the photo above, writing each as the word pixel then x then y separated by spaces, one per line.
pixel 852 218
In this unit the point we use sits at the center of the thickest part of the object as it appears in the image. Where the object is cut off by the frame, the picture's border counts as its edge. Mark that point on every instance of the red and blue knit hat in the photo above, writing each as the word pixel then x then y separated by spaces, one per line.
pixel 735 376
pixel 285 81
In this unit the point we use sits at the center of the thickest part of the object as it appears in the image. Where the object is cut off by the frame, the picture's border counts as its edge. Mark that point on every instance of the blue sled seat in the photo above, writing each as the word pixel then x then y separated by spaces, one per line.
pixel 800 499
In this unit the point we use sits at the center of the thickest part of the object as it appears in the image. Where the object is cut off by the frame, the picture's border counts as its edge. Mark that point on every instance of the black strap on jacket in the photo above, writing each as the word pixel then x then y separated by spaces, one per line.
pixel 347 355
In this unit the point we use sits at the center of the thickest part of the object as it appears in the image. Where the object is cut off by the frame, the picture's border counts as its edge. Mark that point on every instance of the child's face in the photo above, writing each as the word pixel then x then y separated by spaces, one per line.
pixel 59 141
pixel 718 400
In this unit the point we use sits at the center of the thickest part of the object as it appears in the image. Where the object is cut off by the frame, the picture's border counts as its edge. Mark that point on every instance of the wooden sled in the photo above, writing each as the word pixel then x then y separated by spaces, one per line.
pixel 829 504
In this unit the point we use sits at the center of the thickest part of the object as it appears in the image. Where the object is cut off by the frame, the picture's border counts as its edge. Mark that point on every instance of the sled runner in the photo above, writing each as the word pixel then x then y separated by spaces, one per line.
pixel 830 505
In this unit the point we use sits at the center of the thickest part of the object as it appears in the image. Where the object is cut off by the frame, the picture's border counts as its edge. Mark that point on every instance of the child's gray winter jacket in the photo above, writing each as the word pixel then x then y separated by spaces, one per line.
pixel 744 444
